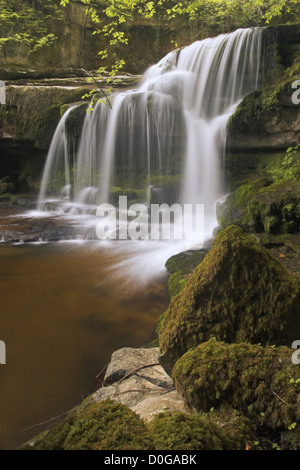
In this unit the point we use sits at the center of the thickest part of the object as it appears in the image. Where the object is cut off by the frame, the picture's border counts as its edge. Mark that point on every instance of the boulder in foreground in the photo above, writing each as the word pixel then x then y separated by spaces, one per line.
pixel 238 293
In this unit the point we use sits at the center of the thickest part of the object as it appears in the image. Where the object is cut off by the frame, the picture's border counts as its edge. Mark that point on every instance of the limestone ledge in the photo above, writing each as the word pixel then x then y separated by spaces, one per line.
pixel 135 378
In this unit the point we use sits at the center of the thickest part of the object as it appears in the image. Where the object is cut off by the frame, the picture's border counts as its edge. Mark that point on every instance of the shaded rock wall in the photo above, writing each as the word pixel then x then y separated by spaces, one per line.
pixel 268 119
pixel 76 46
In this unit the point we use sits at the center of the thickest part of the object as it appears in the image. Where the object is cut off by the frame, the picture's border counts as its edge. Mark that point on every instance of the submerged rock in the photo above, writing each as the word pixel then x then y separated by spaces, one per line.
pixel 238 293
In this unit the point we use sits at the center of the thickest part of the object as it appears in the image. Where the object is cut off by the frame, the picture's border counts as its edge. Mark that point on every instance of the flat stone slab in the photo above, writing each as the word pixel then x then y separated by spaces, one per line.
pixel 141 362
pixel 135 379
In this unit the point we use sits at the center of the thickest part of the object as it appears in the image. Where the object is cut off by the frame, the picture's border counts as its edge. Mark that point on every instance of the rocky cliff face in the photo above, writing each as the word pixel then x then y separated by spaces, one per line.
pixel 269 119
pixel 76 46
pixel 265 121
pixel 262 161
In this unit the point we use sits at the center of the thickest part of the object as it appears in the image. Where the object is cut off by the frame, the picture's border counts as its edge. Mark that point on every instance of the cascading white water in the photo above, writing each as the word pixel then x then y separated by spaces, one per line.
pixel 169 133
pixel 56 175
pixel 221 71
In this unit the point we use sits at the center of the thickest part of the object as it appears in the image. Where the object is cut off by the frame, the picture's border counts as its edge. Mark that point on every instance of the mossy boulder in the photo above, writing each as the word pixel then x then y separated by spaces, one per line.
pixel 238 293
pixel 181 267
pixel 267 118
pixel 276 208
pixel 234 209
pixel 261 382
pixel 177 281
pixel 187 260
pixel 259 206
pixel 96 426
pixel 224 430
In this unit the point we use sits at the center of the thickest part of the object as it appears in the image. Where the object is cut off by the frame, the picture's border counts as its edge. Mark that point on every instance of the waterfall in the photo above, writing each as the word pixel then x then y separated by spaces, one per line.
pixel 163 142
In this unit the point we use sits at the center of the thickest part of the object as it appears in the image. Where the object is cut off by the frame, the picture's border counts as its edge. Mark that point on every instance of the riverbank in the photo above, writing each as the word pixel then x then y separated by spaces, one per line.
pixel 210 409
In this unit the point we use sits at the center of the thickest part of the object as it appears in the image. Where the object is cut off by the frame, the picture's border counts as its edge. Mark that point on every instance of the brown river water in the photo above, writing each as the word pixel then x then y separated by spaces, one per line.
pixel 65 307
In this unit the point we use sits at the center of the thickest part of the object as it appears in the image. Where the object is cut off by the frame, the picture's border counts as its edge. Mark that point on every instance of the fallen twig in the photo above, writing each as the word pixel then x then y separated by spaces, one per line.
pixel 281 399
pixel 46 422
pixel 134 371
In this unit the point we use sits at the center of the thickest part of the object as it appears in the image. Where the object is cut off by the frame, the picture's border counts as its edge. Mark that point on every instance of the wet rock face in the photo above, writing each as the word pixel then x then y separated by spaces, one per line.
pixel 269 118
pixel 254 126
pixel 32 112
pixel 238 293
pixel 259 206
pixel 15 228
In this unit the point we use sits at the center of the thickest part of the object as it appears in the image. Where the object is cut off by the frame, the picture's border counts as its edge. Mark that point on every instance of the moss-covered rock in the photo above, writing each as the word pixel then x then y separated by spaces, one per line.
pixel 177 282
pixel 290 440
pixel 261 382
pixel 234 209
pixel 96 426
pixel 275 208
pixel 267 118
pixel 259 206
pixel 238 293
pixel 187 260
pixel 181 267
pixel 225 430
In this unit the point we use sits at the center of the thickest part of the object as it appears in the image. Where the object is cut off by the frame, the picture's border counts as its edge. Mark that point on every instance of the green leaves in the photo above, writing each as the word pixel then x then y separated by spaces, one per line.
pixel 21 23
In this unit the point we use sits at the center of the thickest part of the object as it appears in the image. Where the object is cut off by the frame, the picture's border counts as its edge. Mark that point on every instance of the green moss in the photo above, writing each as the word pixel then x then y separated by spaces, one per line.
pixel 290 440
pixel 64 108
pixel 291 242
pixel 181 267
pixel 275 208
pixel 234 209
pixel 134 195
pixel 261 382
pixel 238 293
pixel 177 282
pixel 187 260
pixel 96 426
pixel 258 206
pixel 180 431
pixel 257 107
pixel 288 169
